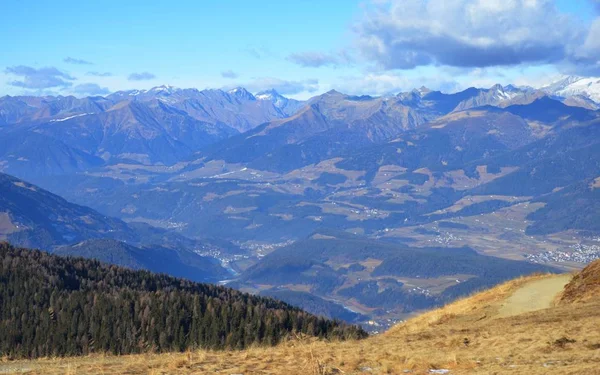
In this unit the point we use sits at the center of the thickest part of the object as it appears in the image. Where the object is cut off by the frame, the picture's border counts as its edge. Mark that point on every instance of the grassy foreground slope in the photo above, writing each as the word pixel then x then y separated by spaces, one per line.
pixel 470 336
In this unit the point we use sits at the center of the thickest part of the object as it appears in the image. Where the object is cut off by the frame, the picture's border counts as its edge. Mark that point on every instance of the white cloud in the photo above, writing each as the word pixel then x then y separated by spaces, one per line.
pixel 143 76
pixel 92 89
pixel 71 60
pixel 99 74
pixel 317 59
pixel 229 74
pixel 38 79
pixel 282 86
pixel 390 83
pixel 404 34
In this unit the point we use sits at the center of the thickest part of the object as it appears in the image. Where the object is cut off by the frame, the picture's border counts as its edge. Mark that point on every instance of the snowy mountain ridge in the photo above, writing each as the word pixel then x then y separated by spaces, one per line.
pixel 575 86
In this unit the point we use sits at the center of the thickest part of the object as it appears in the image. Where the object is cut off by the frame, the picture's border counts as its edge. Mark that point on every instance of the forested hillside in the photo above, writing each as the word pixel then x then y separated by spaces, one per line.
pixel 54 306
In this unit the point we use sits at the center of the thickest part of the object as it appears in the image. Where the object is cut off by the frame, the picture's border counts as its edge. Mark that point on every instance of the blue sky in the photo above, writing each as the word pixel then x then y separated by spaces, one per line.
pixel 301 47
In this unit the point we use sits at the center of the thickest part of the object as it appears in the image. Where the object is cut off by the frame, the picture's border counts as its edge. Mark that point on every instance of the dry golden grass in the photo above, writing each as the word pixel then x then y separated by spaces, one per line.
pixel 585 286
pixel 476 307
pixel 466 337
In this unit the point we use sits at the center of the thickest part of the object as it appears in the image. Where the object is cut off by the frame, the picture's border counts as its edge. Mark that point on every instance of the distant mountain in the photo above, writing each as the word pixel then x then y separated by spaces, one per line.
pixel 441 103
pixel 175 262
pixel 48 136
pixel 149 132
pixel 241 94
pixel 571 86
pixel 551 111
pixel 472 135
pixel 43 136
pixel 573 91
pixel 34 217
pixel 501 96
pixel 334 124
pixel 287 106
pixel 581 101
pixel 22 109
pixel 329 125
pixel 331 178
pixel 237 108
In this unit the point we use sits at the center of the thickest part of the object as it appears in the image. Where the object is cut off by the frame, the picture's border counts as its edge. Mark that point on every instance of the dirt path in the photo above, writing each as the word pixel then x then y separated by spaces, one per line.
pixel 535 295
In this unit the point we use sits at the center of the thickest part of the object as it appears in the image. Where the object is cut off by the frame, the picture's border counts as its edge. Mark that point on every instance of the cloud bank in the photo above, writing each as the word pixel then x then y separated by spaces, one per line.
pixel 284 87
pixel 42 78
pixel 314 59
pixel 90 89
pixel 405 34
pixel 143 76
pixel 229 74
pixel 99 74
pixel 71 60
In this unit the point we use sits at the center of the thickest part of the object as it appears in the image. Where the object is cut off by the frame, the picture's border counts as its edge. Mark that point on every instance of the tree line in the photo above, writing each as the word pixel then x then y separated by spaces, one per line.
pixel 55 306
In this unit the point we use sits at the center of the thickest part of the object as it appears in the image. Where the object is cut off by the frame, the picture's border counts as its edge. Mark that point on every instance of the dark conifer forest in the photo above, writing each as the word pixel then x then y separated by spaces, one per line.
pixel 55 306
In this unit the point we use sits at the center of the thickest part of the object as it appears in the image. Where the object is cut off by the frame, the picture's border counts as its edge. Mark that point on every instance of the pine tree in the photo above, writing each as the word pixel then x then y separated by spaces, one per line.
pixel 53 306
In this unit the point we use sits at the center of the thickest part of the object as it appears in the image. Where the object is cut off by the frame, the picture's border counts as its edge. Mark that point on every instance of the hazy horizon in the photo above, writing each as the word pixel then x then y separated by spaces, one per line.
pixel 299 48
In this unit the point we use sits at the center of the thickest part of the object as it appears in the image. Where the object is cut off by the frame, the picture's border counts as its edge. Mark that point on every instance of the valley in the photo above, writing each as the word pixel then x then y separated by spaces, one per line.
pixel 479 173
pixel 300 187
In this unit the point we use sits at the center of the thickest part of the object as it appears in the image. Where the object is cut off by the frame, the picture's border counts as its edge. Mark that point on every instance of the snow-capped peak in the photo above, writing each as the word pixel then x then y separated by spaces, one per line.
pixel 423 91
pixel 241 93
pixel 268 95
pixel 512 88
pixel 274 97
pixel 575 86
pixel 163 89
pixel 560 84
pixel 508 92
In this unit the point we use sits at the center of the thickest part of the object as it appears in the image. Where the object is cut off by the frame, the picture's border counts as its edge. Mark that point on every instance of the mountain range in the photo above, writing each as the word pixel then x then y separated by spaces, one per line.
pixel 586 88
pixel 248 188
pixel 46 136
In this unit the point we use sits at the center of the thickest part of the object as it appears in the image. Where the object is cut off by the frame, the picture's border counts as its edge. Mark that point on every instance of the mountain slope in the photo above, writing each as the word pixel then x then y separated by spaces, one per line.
pixel 37 218
pixel 175 262
pixel 329 125
pixel 33 217
pixel 547 110
pixel 370 275
pixel 573 86
pixel 31 155
pixel 54 306
pixel 459 138
pixel 469 336
pixel 487 155
pixel 47 136
pixel 584 287
pixel 237 108
pixel 149 132
pixel 559 160
pixel 22 109
pixel 287 106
